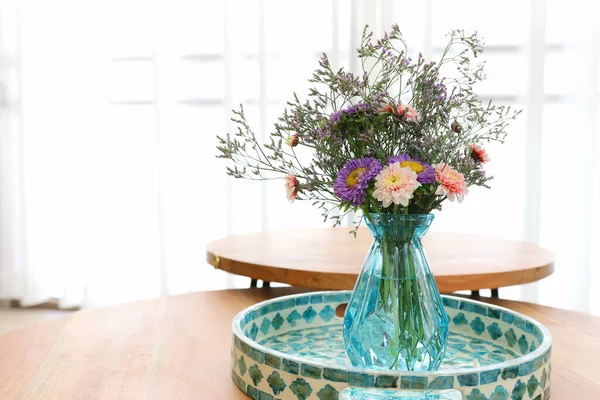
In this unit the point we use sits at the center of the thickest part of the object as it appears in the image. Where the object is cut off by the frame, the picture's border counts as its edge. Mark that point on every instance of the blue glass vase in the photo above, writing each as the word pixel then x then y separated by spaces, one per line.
pixel 395 318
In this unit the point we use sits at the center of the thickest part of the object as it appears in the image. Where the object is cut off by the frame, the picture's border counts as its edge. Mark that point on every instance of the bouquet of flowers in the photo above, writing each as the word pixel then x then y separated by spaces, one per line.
pixel 397 139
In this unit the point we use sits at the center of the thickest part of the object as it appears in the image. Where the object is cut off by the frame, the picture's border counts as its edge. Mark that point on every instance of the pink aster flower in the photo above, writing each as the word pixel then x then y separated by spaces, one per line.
pixel 395 184
pixel 478 153
pixel 292 187
pixel 409 113
pixel 452 183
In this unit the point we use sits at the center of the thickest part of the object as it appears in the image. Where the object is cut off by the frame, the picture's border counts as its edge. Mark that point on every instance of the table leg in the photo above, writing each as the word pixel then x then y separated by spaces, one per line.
pixel 495 293
pixel 253 282
pixel 266 284
pixel 475 293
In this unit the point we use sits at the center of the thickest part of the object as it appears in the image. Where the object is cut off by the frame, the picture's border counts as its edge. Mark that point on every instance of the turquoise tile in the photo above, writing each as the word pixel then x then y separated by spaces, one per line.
pixel 493 313
pixel 265 326
pixel 494 331
pixel 460 319
pixel 276 383
pixel 386 381
pixel 252 392
pixel 328 393
pixel 529 327
pixel 309 314
pixel 293 317
pixel 413 382
pixel 532 386
pixel 360 380
pixel 519 323
pixel 290 366
pixel 317 299
pixel 257 356
pixel 291 303
pixel 335 375
pixel 277 321
pixel 264 396
pixel 476 395
pixel 301 389
pixel 277 306
pixel 474 308
pixel 468 379
pixel 547 356
pixel 510 336
pixel 327 313
pixel 310 371
pixel 253 331
pixel 500 393
pixel 487 377
pixel 242 365
pixel 538 363
pixel 442 382
pixel 510 372
pixel 245 348
pixel 544 379
pixel 523 345
pixel 533 347
pixel 450 303
pixel 272 361
pixel 519 391
pixel 526 368
pixel 507 317
pixel 238 381
pixel 477 325
pixel 332 298
pixel 255 374
pixel 263 311
pixel 301 301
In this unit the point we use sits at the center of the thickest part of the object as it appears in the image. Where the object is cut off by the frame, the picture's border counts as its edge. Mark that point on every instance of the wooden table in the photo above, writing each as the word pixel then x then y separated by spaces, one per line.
pixel 332 258
pixel 177 347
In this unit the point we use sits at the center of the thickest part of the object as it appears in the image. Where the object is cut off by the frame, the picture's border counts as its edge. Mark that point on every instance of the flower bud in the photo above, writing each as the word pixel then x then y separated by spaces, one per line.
pixel 293 140
pixel 455 127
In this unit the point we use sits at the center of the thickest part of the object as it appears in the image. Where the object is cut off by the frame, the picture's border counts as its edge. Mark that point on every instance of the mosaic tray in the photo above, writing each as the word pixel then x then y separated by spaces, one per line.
pixel 292 348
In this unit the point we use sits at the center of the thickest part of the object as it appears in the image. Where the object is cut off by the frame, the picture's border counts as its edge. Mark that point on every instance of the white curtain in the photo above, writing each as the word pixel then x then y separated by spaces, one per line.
pixel 109 112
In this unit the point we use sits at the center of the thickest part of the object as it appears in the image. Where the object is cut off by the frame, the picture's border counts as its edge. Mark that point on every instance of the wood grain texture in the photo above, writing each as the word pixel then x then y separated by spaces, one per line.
pixel 331 259
pixel 178 347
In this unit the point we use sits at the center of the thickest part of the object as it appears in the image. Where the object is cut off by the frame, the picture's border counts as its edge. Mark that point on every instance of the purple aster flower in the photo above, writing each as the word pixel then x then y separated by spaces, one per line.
pixel 335 116
pixel 358 107
pixel 425 172
pixel 353 179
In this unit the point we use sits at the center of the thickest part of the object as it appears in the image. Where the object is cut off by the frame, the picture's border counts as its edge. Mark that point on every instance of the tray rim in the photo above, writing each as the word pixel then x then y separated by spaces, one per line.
pixel 542 349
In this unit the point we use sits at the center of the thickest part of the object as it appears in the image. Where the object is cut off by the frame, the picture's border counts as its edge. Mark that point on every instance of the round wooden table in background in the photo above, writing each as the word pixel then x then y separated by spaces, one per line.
pixel 178 347
pixel 332 258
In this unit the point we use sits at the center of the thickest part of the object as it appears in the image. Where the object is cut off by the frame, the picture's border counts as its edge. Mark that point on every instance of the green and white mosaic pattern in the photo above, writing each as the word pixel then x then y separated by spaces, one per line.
pixel 292 348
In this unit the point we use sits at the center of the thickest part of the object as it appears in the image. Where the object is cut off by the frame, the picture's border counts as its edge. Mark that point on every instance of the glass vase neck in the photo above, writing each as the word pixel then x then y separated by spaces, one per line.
pixel 401 227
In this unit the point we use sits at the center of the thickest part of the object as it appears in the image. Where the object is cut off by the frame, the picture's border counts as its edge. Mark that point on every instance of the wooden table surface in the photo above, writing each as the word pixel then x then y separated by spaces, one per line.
pixel 178 347
pixel 332 258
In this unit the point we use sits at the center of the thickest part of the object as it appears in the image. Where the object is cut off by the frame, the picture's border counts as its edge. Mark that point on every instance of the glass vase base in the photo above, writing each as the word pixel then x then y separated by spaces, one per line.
pixel 384 394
